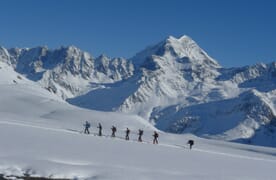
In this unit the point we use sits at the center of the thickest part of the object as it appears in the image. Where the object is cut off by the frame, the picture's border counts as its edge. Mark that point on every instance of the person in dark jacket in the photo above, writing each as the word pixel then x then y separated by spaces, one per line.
pixel 140 133
pixel 127 134
pixel 191 143
pixel 155 136
pixel 113 129
pixel 86 127
pixel 100 129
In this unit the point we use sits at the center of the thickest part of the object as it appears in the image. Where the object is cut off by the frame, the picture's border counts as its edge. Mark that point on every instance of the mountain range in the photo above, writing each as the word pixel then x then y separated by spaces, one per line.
pixel 175 85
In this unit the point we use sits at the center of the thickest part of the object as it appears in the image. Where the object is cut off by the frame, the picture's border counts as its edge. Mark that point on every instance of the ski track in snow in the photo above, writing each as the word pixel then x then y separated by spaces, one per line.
pixel 72 131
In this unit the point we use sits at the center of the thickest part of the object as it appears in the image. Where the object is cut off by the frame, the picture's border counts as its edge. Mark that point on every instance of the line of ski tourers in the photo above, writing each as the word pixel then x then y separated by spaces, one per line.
pixel 155 135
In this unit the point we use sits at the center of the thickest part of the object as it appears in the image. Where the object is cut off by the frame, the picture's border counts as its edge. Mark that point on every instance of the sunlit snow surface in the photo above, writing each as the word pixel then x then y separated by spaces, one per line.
pixel 41 135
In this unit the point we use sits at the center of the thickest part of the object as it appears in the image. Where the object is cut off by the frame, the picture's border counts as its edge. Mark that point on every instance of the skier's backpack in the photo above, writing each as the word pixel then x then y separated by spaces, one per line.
pixel 191 142
pixel 155 134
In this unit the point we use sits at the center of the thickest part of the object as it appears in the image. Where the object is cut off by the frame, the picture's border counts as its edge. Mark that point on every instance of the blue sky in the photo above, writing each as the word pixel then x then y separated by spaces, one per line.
pixel 234 32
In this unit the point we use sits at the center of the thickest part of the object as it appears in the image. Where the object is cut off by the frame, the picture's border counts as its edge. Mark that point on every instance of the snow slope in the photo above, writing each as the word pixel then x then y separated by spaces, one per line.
pixel 62 154
pixel 41 135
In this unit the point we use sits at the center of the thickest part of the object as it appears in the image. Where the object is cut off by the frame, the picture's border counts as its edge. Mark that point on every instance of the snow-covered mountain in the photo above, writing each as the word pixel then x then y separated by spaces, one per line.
pixel 174 84
pixel 165 74
pixel 169 72
pixel 248 118
pixel 66 71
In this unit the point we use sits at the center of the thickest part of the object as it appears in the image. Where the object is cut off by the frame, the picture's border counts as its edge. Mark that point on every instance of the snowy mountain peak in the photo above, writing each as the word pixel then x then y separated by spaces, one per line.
pixel 175 49
pixel 72 49
pixel 103 56
pixel 186 47
pixel 183 39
